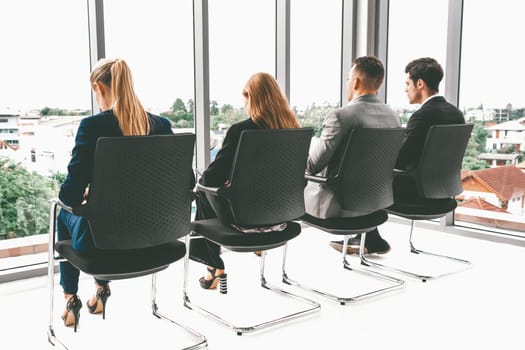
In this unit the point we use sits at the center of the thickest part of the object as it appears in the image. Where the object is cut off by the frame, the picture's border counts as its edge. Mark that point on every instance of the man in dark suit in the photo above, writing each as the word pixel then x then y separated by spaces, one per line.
pixel 422 87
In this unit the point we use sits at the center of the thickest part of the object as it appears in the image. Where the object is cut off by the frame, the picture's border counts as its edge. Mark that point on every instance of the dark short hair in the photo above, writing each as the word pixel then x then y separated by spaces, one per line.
pixel 426 69
pixel 373 70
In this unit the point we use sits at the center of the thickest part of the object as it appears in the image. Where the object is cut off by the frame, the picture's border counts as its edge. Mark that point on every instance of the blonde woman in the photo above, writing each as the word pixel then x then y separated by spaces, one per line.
pixel 267 108
pixel 122 115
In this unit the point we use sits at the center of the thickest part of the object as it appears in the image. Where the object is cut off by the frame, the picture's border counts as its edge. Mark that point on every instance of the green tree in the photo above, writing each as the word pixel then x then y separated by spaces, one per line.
pixel 180 115
pixel 313 117
pixel 191 106
pixel 214 108
pixel 475 146
pixel 24 201
pixel 472 163
pixel 228 115
pixel 178 106
pixel 45 111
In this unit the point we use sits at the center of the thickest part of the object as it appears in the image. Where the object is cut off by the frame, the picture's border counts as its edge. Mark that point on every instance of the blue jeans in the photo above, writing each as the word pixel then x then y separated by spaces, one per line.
pixel 75 228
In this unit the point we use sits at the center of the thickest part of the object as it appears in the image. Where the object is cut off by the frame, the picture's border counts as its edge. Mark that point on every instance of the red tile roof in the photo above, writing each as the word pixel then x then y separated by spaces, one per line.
pixel 478 203
pixel 505 181
pixel 465 174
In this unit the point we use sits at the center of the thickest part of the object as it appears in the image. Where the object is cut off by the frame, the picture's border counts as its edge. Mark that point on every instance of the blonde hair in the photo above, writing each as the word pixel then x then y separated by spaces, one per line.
pixel 266 104
pixel 116 75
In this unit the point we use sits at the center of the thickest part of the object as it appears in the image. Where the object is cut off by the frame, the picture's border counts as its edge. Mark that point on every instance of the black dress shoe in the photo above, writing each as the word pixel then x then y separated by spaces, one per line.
pixel 377 245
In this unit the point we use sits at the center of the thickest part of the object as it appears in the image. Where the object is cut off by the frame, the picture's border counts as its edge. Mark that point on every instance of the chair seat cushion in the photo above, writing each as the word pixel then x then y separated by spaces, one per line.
pixel 228 237
pixel 119 264
pixel 350 225
pixel 424 209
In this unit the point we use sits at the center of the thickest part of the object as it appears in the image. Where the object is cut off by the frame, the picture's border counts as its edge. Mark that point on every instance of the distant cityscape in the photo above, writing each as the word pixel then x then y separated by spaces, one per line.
pixel 41 141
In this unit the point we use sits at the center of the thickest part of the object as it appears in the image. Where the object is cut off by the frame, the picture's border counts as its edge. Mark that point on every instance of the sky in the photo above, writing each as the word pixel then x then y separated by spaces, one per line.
pixel 45 52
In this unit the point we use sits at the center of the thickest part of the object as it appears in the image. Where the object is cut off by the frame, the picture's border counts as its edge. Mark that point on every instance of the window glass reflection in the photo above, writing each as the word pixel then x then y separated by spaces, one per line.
pixel 412 34
pixel 315 59
pixel 156 39
pixel 44 93
pixel 491 97
pixel 242 42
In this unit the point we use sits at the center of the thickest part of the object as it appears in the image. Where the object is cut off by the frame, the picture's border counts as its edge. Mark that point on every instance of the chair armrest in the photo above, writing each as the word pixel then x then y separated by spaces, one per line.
pixel 63 206
pixel 81 210
pixel 404 173
pixel 315 178
pixel 202 188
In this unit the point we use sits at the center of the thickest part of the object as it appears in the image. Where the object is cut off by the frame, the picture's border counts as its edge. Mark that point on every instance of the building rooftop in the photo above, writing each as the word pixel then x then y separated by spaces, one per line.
pixel 498 156
pixel 505 181
pixel 514 125
pixel 478 203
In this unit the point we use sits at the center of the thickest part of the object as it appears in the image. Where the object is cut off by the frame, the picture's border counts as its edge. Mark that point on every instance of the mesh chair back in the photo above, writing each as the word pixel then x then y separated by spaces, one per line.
pixel 438 174
pixel 364 182
pixel 140 194
pixel 267 182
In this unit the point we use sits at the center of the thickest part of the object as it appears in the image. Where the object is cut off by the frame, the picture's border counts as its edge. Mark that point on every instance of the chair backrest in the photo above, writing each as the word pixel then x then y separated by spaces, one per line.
pixel 438 174
pixel 266 185
pixel 364 180
pixel 140 195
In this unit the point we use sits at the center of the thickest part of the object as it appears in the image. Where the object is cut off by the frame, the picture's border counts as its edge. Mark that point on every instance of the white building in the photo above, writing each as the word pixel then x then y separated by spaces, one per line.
pixel 511 133
pixel 9 134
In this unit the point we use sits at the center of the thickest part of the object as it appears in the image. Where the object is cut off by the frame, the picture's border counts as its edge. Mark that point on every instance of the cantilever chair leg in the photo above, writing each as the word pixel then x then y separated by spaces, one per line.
pixel 423 277
pixel 312 305
pixel 51 337
pixel 201 341
pixel 396 283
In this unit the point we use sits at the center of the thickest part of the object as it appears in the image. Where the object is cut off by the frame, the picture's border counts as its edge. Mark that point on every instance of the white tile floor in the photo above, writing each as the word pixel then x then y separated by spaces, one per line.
pixel 481 308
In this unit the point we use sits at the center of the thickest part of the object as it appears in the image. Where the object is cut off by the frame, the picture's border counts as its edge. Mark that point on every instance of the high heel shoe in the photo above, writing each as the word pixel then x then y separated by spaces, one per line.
pixel 72 314
pixel 103 293
pixel 221 280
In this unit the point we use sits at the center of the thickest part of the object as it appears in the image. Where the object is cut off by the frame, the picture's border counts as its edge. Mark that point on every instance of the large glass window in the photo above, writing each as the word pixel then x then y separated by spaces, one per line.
pixel 315 59
pixel 156 39
pixel 241 42
pixel 44 93
pixel 491 96
pixel 413 33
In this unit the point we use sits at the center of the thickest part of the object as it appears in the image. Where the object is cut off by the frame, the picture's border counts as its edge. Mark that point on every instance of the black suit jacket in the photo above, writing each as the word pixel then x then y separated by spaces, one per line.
pixel 80 167
pixel 436 111
pixel 218 172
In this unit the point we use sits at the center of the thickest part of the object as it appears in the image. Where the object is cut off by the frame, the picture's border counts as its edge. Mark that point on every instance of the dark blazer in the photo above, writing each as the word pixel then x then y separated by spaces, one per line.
pixel 218 172
pixel 436 111
pixel 80 167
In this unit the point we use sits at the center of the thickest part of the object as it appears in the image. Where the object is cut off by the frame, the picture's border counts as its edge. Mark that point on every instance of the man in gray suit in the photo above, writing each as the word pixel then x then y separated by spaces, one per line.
pixel 364 110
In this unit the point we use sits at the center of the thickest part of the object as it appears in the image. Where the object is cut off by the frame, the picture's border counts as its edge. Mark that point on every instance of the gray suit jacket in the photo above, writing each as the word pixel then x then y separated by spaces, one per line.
pixel 365 111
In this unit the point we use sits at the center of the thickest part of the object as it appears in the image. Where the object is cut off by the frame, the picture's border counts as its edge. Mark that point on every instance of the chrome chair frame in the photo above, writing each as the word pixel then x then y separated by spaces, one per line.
pixel 363 178
pixel 135 232
pixel 423 277
pixel 256 195
pixel 240 330
pixel 437 177
pixel 201 340
pixel 396 282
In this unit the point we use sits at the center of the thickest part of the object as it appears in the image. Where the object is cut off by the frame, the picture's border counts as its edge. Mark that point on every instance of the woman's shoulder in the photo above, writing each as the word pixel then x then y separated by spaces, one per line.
pixel 100 115
pixel 159 125
pixel 245 124
pixel 103 117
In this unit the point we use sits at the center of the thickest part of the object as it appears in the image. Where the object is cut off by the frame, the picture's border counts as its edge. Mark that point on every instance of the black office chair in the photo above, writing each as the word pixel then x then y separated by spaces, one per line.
pixel 265 189
pixel 438 179
pixel 139 206
pixel 363 182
